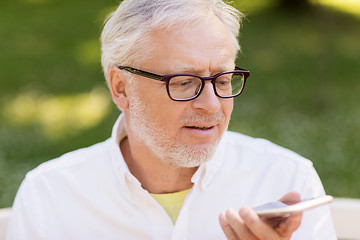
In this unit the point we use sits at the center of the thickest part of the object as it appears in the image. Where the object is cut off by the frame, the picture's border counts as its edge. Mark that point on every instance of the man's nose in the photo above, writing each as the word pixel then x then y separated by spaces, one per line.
pixel 207 100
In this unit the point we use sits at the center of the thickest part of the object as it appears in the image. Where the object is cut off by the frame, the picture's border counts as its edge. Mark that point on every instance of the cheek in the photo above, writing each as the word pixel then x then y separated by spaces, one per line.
pixel 165 112
pixel 171 113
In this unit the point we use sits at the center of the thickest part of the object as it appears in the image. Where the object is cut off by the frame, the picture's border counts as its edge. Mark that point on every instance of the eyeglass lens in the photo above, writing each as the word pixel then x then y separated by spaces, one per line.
pixel 185 87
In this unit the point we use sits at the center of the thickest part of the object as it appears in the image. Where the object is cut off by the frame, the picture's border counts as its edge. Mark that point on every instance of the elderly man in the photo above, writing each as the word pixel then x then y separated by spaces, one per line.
pixel 170 169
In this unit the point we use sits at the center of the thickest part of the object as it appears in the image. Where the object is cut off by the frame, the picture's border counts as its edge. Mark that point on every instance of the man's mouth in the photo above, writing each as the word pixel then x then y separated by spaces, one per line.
pixel 200 128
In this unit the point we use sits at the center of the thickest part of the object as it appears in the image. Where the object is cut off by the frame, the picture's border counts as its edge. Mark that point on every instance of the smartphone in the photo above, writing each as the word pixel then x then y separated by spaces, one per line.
pixel 279 209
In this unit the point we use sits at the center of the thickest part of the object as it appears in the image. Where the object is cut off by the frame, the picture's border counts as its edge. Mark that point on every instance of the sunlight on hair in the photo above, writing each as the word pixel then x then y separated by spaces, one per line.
pixel 104 12
pixel 59 115
pixel 347 6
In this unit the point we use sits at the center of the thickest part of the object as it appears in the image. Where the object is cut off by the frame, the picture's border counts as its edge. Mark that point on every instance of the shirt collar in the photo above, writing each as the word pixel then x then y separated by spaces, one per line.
pixel 207 171
pixel 120 167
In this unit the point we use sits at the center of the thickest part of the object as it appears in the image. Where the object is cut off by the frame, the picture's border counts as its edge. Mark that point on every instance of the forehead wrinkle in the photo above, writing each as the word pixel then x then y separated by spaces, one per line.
pixel 203 64
pixel 194 69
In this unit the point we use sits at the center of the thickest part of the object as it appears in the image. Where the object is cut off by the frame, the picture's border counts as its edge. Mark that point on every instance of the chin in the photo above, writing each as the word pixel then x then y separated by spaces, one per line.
pixel 190 156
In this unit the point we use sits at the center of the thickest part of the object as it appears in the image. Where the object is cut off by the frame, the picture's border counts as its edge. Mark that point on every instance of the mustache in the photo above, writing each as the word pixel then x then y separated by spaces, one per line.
pixel 203 118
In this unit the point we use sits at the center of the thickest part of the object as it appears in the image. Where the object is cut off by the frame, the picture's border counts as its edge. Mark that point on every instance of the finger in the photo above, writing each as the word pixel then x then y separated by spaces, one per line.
pixel 274 222
pixel 228 231
pixel 238 225
pixel 289 226
pixel 259 228
pixel 291 198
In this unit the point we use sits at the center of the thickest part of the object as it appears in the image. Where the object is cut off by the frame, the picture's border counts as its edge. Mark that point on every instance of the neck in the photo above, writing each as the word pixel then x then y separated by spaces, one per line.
pixel 155 175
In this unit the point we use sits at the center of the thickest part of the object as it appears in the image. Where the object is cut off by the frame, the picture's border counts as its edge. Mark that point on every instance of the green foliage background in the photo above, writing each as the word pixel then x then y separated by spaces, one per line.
pixel 303 92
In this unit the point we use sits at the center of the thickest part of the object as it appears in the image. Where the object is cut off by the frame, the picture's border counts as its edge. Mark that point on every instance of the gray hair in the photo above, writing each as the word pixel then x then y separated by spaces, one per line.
pixel 124 37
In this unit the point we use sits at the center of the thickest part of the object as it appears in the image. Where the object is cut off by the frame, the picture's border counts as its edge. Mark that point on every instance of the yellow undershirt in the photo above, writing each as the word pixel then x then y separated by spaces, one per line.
pixel 171 202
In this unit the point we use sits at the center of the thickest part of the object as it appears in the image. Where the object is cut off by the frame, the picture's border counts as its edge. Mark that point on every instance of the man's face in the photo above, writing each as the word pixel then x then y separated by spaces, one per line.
pixel 183 134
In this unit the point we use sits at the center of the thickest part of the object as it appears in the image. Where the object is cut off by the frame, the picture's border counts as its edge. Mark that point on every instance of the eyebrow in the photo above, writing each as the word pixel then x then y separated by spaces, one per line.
pixel 187 69
pixel 193 69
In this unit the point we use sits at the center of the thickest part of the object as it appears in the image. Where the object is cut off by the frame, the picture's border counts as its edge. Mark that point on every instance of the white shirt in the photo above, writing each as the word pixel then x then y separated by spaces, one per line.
pixel 90 194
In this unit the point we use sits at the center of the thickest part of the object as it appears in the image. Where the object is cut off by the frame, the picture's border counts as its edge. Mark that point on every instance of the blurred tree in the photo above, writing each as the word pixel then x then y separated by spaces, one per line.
pixel 294 4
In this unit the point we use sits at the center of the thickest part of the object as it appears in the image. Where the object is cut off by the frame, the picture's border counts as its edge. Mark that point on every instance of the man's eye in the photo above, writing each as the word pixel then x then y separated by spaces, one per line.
pixel 223 81
pixel 182 82
pixel 185 82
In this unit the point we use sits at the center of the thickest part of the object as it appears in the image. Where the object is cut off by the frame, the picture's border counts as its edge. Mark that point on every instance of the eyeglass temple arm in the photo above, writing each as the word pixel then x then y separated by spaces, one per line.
pixel 141 73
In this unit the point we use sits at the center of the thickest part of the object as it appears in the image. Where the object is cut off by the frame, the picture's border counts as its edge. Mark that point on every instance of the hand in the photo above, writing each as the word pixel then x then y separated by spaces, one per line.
pixel 245 224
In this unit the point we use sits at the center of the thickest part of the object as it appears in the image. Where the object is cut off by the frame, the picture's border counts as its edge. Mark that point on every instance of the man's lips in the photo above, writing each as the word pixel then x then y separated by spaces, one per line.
pixel 203 125
pixel 200 127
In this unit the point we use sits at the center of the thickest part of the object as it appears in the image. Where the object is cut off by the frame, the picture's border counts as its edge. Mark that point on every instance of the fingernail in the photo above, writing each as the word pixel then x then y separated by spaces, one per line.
pixel 244 211
pixel 222 218
pixel 230 212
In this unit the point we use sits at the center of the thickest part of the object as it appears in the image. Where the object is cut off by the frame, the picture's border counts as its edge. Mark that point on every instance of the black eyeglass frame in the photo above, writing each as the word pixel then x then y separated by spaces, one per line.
pixel 166 79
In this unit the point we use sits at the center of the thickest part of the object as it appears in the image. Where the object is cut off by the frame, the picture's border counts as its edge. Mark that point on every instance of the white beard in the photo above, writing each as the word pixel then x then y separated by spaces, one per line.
pixel 169 150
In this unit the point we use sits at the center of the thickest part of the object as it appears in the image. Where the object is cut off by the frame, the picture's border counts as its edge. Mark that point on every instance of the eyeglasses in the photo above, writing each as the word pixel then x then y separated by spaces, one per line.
pixel 185 87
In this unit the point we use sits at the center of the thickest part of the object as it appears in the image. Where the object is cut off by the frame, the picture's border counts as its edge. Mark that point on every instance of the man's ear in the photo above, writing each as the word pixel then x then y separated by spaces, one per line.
pixel 118 87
